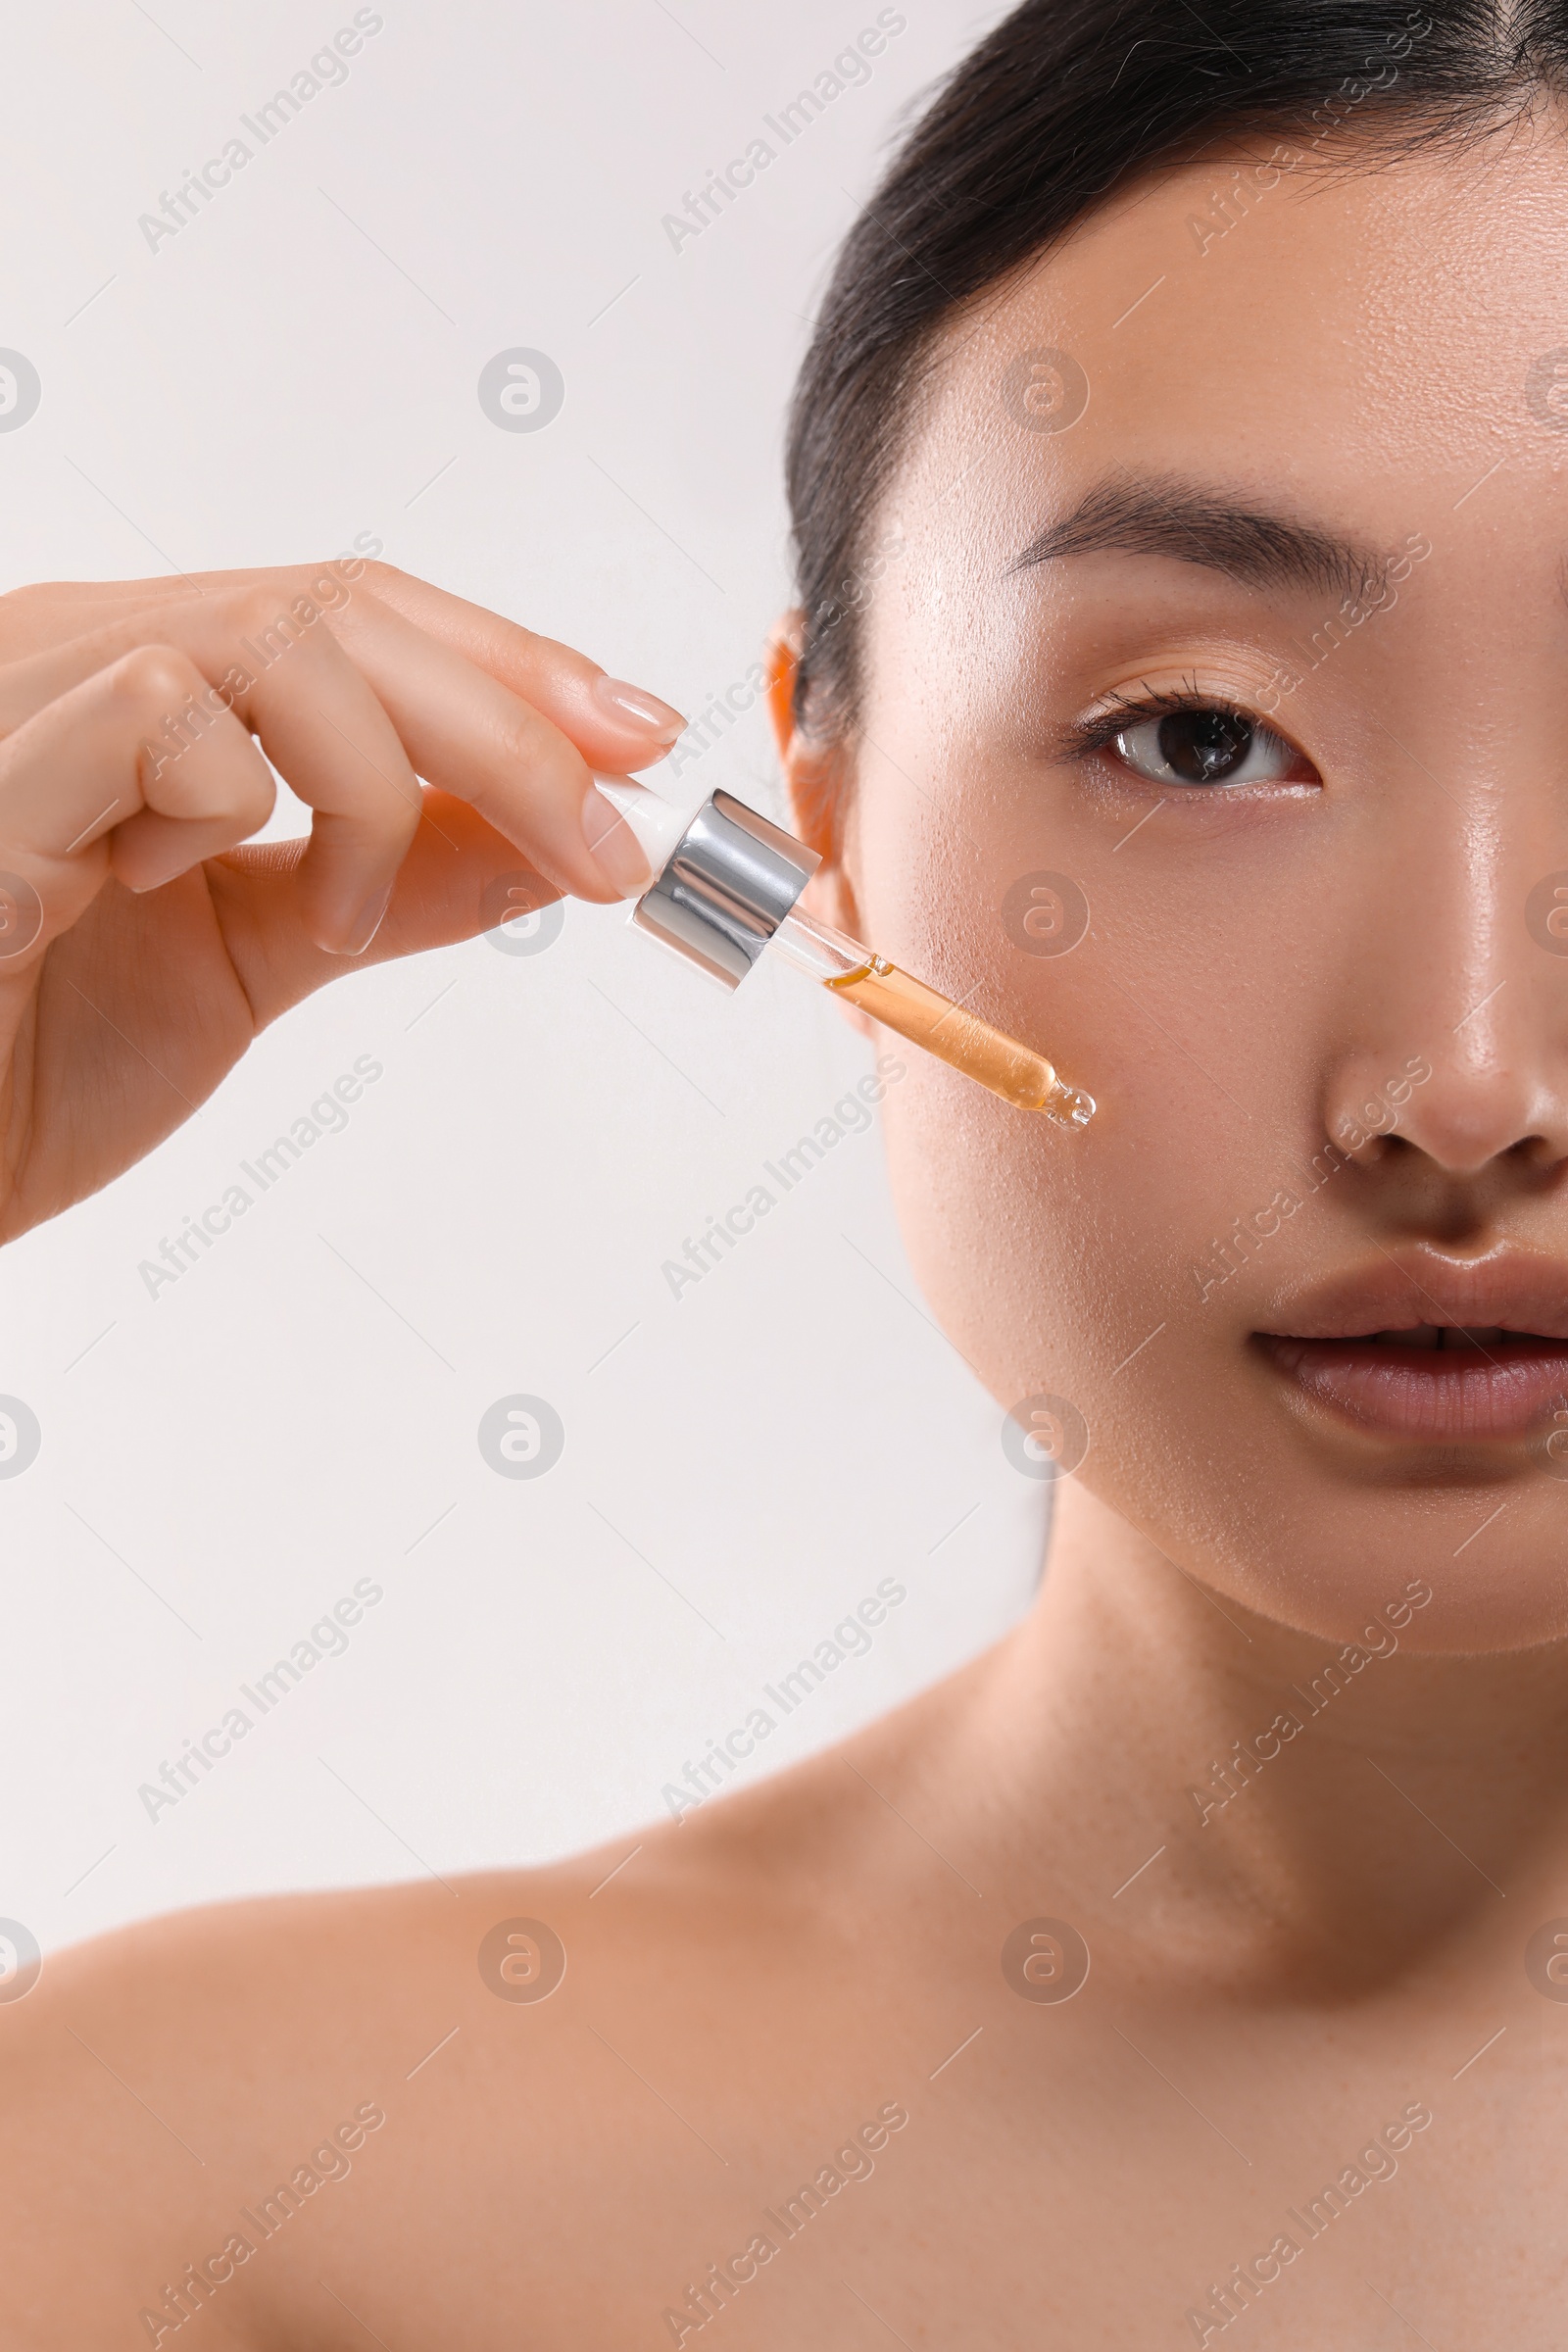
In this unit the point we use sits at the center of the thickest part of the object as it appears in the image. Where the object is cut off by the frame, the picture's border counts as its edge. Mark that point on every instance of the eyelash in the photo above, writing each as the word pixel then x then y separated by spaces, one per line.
pixel 1090 735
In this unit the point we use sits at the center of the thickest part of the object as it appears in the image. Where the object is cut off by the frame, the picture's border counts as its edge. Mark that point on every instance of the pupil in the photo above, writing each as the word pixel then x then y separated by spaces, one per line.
pixel 1203 744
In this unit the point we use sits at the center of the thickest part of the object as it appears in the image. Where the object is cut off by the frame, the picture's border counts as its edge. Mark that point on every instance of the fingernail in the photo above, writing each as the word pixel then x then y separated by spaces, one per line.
pixel 629 705
pixel 366 924
pixel 616 849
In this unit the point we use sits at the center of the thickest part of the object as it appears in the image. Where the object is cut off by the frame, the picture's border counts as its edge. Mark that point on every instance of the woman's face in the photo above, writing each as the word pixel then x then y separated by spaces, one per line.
pixel 1294 722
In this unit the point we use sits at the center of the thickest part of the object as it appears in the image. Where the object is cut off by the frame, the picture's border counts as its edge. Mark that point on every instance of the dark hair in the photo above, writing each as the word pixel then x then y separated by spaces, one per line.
pixel 1062 101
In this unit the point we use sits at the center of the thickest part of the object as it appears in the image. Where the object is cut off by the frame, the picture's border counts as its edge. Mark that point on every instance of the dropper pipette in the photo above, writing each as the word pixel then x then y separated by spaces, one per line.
pixel 725 891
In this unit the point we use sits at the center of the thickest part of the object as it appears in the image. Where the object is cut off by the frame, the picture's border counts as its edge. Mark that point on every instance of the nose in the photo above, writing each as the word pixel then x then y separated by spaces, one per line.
pixel 1460 1116
pixel 1461 1037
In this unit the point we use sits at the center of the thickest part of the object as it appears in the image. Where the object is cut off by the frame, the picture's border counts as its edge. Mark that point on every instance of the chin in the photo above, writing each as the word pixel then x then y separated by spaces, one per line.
pixel 1332 1553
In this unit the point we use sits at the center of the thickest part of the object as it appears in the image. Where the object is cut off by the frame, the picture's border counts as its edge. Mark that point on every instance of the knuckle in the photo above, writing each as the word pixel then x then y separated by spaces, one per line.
pixel 531 748
pixel 268 619
pixel 151 678
pixel 529 661
pixel 326 584
pixel 254 609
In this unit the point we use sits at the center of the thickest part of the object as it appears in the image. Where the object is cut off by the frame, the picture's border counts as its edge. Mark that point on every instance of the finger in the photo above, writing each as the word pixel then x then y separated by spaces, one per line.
pixel 417 705
pixel 318 719
pixel 473 736
pixel 320 722
pixel 78 802
pixel 616 726
pixel 460 877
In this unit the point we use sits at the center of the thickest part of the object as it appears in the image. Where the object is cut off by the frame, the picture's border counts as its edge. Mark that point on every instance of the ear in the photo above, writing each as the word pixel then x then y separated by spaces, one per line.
pixel 817 776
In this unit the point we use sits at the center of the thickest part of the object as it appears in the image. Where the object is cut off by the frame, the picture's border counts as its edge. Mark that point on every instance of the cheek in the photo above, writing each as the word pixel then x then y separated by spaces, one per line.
pixel 996 1216
pixel 1050 1258
pixel 1072 1267
pixel 1066 1270
pixel 989 1225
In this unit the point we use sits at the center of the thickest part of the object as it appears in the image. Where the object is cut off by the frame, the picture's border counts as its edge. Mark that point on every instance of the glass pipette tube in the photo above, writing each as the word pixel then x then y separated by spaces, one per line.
pixel 724 893
pixel 929 1019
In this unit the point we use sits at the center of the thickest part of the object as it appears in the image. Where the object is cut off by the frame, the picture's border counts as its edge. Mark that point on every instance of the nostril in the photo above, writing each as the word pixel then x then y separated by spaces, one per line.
pixel 1535 1151
pixel 1372 1150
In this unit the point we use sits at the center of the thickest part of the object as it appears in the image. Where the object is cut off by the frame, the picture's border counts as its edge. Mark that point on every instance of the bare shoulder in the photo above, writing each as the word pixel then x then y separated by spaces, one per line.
pixel 213 2112
pixel 154 2080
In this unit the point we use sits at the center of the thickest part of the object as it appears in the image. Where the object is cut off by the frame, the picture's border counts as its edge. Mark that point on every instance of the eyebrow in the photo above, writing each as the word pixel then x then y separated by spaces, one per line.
pixel 1154 514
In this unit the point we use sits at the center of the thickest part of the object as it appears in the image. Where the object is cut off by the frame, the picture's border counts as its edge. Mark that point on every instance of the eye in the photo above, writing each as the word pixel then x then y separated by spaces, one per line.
pixel 1209 744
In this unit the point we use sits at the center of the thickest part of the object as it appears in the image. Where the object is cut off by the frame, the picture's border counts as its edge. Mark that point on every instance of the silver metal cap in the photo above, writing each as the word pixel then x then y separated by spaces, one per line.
pixel 729 883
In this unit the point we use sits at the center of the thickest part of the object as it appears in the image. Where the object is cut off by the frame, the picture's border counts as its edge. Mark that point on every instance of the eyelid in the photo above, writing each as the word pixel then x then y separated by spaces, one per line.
pixel 1112 714
pixel 1221 669
pixel 1151 694
pixel 1097 739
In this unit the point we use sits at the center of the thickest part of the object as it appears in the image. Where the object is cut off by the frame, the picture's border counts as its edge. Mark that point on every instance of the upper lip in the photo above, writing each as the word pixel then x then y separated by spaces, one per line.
pixel 1508 1290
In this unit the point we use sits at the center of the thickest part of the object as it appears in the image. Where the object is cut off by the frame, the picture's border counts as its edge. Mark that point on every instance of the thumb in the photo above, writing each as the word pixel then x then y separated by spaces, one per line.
pixel 460 877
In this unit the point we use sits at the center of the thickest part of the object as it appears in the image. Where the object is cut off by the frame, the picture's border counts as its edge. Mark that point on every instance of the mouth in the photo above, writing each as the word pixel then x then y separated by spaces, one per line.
pixel 1434 1381
pixel 1439 1351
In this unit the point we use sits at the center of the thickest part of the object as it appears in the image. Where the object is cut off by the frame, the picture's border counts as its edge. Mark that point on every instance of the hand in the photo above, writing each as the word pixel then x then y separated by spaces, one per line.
pixel 141 948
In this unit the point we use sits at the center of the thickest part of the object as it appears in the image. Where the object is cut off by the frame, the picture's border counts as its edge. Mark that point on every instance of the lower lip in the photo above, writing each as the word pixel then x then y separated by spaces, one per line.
pixel 1505 1390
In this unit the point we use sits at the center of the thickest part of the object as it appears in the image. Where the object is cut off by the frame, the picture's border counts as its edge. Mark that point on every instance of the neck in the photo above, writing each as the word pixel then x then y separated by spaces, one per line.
pixel 1323 1805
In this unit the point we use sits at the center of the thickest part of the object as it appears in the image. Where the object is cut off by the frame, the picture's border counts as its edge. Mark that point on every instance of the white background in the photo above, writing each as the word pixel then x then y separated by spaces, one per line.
pixel 222 1462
